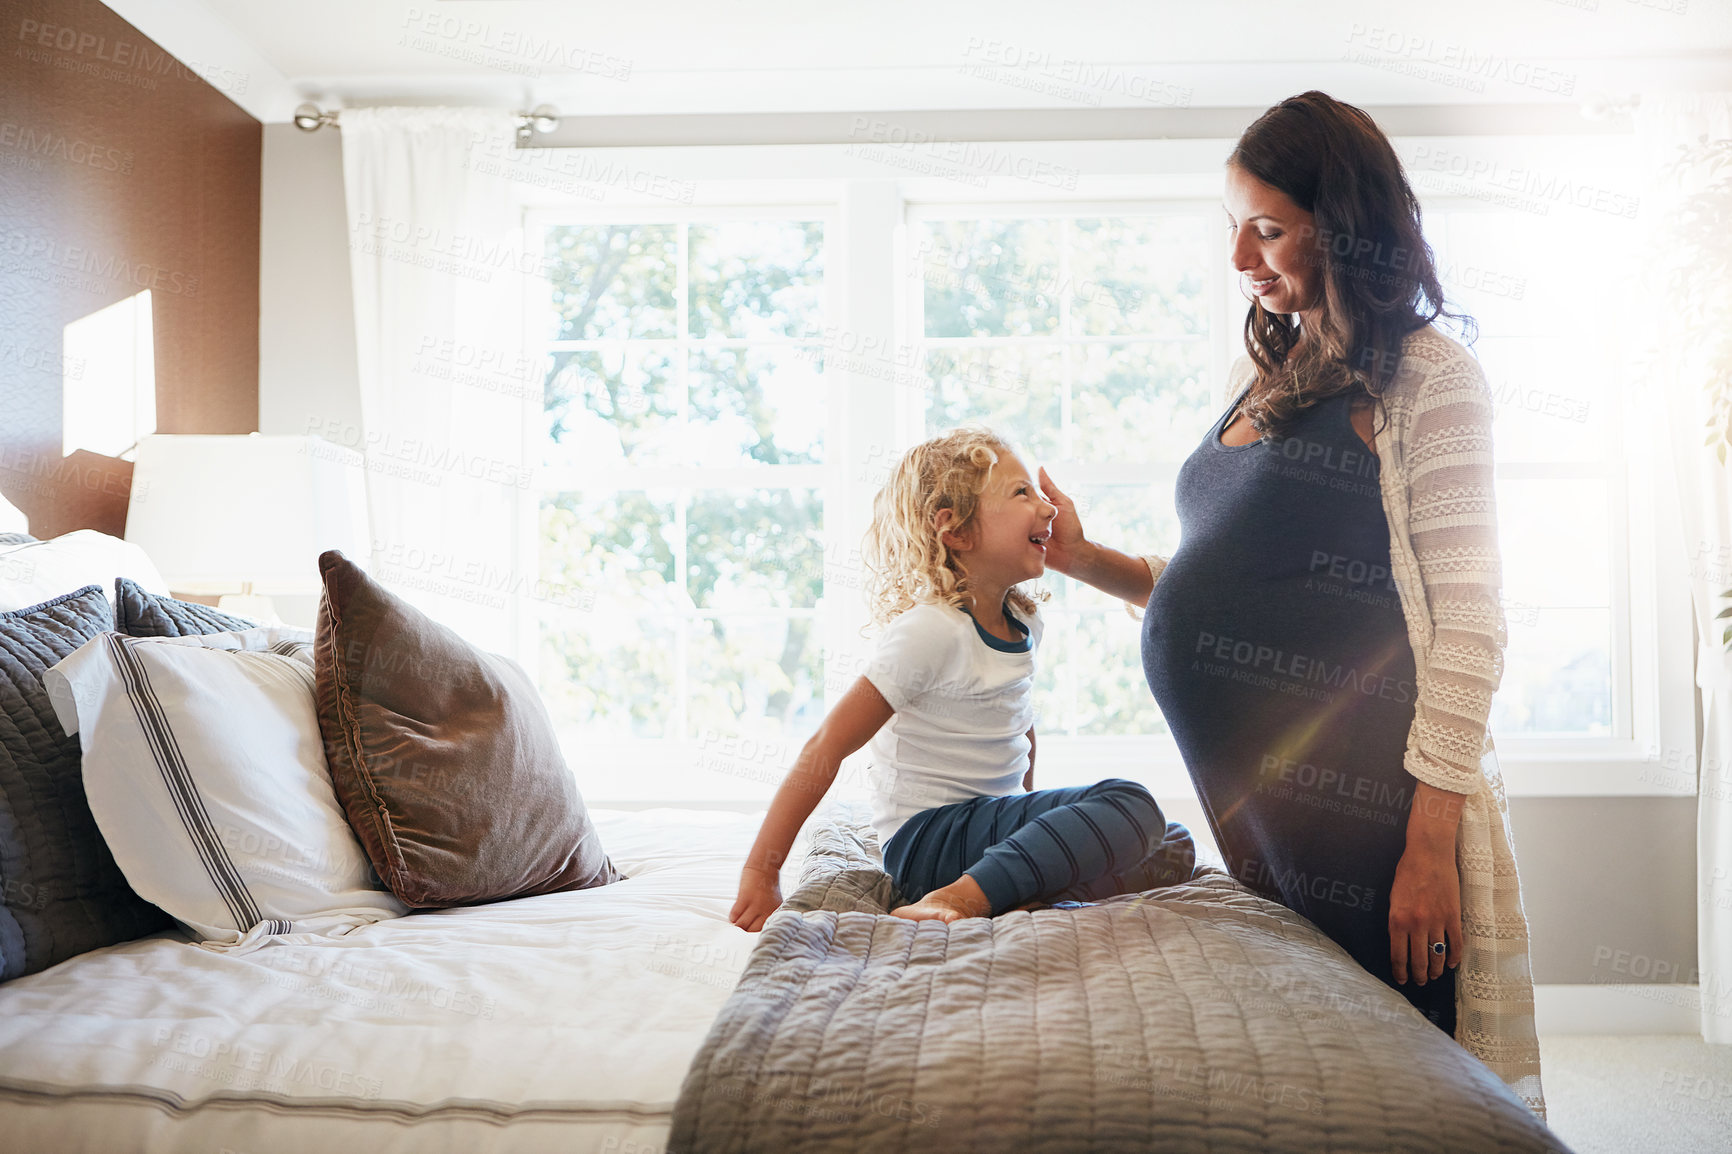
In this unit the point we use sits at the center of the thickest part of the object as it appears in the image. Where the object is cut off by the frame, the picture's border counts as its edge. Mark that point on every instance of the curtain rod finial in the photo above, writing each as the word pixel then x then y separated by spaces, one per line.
pixel 308 118
pixel 542 118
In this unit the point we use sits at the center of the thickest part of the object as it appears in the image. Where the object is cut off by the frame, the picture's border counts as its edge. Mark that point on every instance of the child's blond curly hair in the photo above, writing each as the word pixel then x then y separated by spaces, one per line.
pixel 906 561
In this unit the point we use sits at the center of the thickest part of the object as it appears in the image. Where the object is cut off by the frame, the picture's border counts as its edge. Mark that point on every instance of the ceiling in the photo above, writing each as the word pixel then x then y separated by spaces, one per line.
pixel 738 56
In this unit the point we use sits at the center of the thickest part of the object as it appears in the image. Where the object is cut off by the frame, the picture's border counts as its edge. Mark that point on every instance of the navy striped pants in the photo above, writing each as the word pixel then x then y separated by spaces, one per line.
pixel 1077 844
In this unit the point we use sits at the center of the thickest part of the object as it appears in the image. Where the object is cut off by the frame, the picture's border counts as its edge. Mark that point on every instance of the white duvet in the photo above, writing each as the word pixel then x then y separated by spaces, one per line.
pixel 563 1022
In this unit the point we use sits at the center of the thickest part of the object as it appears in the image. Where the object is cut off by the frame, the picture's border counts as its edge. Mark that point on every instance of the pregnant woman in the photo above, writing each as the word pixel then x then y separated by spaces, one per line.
pixel 1325 641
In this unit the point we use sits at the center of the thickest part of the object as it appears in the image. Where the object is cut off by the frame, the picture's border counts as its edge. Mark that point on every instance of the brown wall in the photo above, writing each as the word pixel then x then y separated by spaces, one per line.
pixel 120 170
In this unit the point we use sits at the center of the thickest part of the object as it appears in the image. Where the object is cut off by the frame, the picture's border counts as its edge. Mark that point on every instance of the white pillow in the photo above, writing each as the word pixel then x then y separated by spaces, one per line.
pixel 36 571
pixel 206 774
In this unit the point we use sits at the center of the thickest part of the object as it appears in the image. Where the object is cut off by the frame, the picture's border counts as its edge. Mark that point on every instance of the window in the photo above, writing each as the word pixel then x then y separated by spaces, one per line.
pixel 683 446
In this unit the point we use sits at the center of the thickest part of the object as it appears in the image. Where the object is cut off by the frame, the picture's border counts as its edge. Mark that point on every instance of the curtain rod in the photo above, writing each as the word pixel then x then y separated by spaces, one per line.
pixel 542 118
pixel 1598 114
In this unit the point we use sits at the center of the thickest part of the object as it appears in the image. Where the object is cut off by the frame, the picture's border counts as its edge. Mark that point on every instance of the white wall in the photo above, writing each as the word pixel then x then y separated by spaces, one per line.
pixel 306 314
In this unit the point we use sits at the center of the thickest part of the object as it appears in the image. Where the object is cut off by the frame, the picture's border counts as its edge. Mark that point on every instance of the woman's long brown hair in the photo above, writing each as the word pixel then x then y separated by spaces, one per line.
pixel 1377 274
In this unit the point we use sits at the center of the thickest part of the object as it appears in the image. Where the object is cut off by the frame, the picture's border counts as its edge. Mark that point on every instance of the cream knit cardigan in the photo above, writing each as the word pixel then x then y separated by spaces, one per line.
pixel 1433 444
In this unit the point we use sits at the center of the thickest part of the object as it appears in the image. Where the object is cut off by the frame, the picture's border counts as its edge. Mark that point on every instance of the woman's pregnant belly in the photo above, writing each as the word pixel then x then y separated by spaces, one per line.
pixel 1292 721
pixel 1224 653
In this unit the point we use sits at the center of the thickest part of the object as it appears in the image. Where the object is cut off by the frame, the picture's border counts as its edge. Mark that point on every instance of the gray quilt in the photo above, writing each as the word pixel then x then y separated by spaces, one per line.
pixel 1194 1018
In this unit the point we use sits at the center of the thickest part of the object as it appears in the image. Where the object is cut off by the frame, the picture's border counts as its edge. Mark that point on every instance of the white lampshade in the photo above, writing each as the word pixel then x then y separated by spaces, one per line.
pixel 218 514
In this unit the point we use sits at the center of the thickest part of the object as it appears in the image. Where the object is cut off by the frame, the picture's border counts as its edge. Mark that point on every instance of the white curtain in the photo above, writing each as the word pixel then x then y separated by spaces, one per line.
pixel 440 272
pixel 1686 145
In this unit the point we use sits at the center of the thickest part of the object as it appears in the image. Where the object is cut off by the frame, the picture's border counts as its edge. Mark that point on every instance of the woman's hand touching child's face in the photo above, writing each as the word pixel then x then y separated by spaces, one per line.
pixel 1067 538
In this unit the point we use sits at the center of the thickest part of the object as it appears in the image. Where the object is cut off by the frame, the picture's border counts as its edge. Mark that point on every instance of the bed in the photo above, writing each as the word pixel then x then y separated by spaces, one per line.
pixel 1198 1018
pixel 563 1022
pixel 632 1018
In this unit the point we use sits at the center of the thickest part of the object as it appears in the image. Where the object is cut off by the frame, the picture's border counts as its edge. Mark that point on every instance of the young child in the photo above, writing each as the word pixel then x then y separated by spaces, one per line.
pixel 947 705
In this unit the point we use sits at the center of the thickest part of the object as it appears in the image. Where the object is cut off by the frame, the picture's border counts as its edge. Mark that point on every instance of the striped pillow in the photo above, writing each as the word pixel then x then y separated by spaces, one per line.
pixel 205 771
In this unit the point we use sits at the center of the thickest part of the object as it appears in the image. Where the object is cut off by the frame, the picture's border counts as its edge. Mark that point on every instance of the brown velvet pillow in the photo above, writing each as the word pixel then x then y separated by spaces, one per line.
pixel 443 756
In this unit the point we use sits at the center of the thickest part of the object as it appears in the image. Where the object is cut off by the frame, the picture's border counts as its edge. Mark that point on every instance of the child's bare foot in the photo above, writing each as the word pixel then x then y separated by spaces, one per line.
pixel 962 898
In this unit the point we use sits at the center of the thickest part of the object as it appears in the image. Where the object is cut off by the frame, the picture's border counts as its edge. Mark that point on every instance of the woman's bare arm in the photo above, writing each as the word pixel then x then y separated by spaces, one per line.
pixel 1120 574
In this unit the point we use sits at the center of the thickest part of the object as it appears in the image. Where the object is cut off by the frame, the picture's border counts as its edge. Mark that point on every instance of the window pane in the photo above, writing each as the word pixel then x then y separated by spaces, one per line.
pixel 755 549
pixel 755 406
pixel 1521 274
pixel 1138 275
pixel 610 675
pixel 1014 391
pixel 618 546
pixel 989 278
pixel 613 280
pixel 1552 397
pixel 609 661
pixel 751 668
pixel 1139 402
pixel 615 407
pixel 1555 541
pixel 1089 678
pixel 757 279
pixel 1557 674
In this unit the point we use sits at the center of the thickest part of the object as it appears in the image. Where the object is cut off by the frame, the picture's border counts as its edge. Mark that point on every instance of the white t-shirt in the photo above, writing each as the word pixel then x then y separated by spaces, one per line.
pixel 964 703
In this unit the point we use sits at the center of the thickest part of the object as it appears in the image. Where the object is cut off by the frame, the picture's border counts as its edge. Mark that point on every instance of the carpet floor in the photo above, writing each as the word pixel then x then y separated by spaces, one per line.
pixel 1643 1094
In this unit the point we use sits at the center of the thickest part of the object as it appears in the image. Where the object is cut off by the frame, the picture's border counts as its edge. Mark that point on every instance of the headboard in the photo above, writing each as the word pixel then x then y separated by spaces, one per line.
pixel 168 202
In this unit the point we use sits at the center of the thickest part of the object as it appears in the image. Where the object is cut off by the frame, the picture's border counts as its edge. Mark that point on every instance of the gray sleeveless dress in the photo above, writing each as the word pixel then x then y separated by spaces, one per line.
pixel 1275 645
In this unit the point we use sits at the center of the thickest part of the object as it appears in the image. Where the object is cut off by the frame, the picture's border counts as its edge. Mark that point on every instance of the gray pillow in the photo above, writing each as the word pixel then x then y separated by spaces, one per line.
pixel 60 892
pixel 141 613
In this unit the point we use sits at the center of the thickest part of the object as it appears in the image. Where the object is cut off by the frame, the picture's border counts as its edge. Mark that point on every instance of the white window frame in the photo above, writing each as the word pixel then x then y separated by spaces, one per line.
pixel 667 756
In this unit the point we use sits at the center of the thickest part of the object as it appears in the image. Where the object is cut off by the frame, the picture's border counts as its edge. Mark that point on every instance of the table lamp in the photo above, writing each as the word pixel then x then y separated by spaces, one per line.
pixel 245 517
